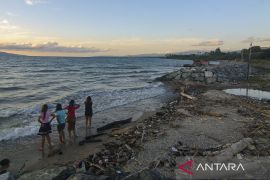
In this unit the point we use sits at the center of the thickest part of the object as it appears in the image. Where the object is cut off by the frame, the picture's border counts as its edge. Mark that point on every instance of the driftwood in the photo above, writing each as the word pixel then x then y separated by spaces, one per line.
pixel 93 136
pixel 114 124
pixel 235 148
pixel 187 96
pixel 95 165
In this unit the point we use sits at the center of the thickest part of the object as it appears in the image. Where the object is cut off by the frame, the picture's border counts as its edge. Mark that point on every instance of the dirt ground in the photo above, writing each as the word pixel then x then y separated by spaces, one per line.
pixel 215 119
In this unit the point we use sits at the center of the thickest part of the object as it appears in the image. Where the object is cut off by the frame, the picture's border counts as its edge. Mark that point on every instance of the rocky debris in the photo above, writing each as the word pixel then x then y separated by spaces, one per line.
pixel 127 143
pixel 181 150
pixel 259 131
pixel 167 161
pixel 82 176
pixel 234 149
pixel 7 176
pixel 209 75
pixel 147 174
pixel 44 174
pixel 70 170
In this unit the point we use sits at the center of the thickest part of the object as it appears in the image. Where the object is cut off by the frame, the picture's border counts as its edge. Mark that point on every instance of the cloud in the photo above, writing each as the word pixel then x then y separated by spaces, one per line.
pixel 255 39
pixel 5 25
pixel 49 47
pixel 33 2
pixel 11 14
pixel 209 43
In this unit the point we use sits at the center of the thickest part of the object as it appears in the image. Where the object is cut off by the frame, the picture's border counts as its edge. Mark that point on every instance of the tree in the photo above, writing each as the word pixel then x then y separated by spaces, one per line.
pixel 218 51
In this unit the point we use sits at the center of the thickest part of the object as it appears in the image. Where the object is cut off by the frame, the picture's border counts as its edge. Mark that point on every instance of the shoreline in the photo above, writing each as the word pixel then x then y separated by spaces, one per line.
pixel 211 105
pixel 32 160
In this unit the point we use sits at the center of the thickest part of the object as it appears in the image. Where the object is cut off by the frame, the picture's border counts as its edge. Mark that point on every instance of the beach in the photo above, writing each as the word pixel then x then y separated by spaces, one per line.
pixel 119 91
pixel 202 127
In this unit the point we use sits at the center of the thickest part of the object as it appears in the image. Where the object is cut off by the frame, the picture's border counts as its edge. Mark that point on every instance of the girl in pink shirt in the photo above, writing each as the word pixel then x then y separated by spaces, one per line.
pixel 45 126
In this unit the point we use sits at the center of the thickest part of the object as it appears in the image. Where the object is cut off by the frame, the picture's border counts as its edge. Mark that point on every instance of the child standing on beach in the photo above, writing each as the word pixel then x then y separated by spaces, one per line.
pixel 71 117
pixel 60 115
pixel 45 126
pixel 88 111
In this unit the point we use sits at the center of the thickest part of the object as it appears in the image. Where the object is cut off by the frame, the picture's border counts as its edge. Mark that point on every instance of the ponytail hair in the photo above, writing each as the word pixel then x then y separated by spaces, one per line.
pixel 44 110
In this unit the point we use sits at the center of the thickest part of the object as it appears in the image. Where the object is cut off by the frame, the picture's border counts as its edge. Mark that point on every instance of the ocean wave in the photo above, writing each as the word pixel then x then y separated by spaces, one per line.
pixel 13 88
pixel 14 133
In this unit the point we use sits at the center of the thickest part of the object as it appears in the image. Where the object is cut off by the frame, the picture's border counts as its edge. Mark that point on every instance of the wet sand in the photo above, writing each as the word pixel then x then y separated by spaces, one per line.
pixel 25 156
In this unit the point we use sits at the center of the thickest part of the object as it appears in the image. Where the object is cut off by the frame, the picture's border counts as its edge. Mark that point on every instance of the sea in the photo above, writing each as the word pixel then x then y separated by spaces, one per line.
pixel 121 87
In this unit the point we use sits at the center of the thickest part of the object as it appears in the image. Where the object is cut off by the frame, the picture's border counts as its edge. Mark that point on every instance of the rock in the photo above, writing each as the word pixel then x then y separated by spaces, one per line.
pixel 174 125
pixel 7 176
pixel 210 80
pixel 65 173
pixel 147 175
pixel 251 147
pixel 222 74
pixel 44 174
pixel 184 112
pixel 208 74
pixel 261 141
pixel 239 156
pixel 81 176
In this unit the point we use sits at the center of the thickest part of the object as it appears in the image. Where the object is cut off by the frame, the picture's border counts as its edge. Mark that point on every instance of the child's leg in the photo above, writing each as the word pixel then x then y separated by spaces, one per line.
pixel 63 137
pixel 74 132
pixel 86 120
pixel 49 140
pixel 90 121
pixel 69 134
pixel 42 142
pixel 60 136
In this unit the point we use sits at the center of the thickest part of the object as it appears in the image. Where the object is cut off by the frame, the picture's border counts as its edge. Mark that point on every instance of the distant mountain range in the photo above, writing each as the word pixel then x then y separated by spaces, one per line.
pixel 4 55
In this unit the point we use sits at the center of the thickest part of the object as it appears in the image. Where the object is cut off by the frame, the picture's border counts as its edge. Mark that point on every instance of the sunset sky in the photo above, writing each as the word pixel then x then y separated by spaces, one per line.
pixel 129 27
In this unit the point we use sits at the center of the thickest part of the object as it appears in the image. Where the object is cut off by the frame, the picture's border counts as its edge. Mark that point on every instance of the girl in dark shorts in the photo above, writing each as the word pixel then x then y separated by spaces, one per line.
pixel 60 115
pixel 45 126
pixel 71 117
pixel 88 111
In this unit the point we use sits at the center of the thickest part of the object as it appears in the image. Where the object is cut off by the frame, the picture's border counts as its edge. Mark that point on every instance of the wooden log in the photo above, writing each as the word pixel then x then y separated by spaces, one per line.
pixel 235 148
pixel 187 96
pixel 114 124
pixel 93 136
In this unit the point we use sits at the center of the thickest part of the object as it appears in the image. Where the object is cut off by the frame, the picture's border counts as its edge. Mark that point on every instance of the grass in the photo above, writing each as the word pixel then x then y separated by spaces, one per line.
pixel 261 64
pixel 259 81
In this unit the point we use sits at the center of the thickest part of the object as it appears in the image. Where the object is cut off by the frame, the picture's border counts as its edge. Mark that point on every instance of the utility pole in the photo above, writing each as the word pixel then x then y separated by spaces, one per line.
pixel 249 58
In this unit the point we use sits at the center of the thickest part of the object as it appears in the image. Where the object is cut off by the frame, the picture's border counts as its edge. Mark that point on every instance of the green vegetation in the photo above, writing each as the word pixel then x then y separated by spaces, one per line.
pixel 257 53
pixel 261 63
pixel 258 80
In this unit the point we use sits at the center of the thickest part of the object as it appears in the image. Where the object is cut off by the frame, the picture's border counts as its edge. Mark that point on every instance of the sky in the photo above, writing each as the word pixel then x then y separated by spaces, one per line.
pixel 131 27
